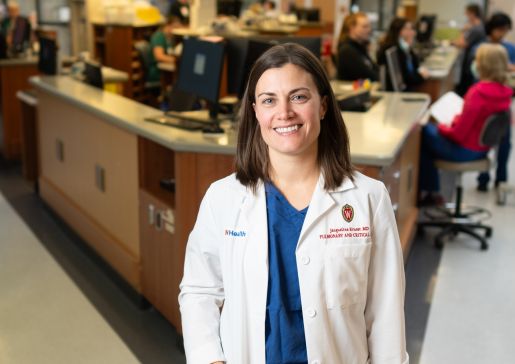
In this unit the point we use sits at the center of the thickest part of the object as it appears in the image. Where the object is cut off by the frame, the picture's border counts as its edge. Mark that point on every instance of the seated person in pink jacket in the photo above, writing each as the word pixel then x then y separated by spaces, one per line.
pixel 459 142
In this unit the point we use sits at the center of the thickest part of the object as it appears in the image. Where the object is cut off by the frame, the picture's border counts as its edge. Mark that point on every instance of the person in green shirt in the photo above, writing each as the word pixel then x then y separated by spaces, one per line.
pixel 163 48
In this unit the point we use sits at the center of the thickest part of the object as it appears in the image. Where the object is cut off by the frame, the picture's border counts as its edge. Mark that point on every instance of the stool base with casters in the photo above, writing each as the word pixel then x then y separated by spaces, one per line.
pixel 455 218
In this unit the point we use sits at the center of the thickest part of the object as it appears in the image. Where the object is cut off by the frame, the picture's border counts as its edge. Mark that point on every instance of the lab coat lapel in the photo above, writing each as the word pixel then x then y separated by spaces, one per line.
pixel 321 202
pixel 254 213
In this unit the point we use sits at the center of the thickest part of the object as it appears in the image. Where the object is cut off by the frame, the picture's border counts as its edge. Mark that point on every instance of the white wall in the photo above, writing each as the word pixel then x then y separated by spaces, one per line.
pixel 446 10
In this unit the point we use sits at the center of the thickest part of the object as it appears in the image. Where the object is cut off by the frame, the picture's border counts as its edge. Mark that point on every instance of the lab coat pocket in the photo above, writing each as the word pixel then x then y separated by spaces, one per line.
pixel 345 273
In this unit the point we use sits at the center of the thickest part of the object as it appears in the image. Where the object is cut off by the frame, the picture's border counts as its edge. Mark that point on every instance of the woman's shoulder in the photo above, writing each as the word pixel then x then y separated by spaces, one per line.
pixel 367 185
pixel 226 188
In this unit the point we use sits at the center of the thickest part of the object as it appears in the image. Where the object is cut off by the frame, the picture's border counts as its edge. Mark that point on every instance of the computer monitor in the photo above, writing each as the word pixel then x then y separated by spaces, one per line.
pixel 425 28
pixel 229 7
pixel 47 60
pixel 393 70
pixel 313 44
pixel 93 75
pixel 200 70
pixel 308 14
pixel 242 53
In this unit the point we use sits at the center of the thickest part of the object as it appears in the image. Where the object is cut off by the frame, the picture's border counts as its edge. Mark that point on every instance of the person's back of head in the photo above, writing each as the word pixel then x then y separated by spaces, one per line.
pixel 492 62
pixel 474 10
pixel 498 23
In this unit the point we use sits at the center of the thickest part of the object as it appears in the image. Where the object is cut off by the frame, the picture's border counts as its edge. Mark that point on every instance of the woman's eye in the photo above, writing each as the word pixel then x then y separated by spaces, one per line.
pixel 267 101
pixel 298 98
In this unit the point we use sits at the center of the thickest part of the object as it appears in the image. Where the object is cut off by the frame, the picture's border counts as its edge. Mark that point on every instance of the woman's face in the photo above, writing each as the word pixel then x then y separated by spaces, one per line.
pixel 289 108
pixel 407 33
pixel 362 30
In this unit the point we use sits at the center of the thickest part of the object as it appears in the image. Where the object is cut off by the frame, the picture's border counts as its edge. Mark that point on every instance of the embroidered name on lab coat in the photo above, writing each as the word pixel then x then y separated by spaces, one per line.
pixel 347 232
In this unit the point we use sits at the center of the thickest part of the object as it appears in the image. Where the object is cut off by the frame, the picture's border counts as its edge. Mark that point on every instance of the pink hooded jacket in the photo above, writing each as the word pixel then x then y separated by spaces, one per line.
pixel 481 100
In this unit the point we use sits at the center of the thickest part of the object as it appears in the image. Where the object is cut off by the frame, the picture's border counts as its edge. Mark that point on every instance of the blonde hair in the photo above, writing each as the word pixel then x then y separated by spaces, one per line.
pixel 492 62
pixel 350 21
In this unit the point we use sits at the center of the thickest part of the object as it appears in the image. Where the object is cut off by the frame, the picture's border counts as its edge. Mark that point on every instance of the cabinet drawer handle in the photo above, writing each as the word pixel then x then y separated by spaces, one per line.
pixel 100 177
pixel 59 150
pixel 151 214
pixel 397 174
pixel 159 220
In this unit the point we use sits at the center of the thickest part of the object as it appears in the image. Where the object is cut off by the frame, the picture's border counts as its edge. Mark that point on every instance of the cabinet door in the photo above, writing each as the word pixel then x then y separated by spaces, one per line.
pixel 159 256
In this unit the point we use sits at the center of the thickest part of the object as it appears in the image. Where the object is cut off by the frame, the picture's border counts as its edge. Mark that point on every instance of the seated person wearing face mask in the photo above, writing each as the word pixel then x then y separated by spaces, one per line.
pixel 401 35
pixel 459 142
pixel 353 61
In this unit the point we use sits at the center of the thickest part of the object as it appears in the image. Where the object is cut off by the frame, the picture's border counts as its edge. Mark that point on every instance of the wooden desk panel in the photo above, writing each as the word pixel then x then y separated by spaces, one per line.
pixel 13 78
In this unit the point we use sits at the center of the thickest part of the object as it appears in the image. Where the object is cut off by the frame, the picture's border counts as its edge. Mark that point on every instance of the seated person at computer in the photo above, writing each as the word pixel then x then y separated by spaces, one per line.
pixel 497 27
pixel 353 60
pixel 16 29
pixel 460 141
pixel 180 9
pixel 163 48
pixel 401 35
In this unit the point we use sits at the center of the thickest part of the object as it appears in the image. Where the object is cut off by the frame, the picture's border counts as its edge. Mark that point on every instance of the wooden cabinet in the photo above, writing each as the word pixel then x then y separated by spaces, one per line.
pixel 163 238
pixel 14 75
pixel 114 47
pixel 401 181
pixel 89 174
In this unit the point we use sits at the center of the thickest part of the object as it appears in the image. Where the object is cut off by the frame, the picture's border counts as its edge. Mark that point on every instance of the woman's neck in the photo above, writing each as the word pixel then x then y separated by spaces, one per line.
pixel 296 178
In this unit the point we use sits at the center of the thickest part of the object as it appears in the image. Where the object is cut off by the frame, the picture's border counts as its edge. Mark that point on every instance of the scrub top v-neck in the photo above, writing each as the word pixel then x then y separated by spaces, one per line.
pixel 284 328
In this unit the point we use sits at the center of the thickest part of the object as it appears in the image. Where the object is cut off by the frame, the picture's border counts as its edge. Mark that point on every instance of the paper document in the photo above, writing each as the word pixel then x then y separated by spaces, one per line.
pixel 447 107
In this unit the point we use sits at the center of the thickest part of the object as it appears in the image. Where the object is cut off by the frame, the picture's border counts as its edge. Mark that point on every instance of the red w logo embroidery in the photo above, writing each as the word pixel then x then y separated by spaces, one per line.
pixel 348 213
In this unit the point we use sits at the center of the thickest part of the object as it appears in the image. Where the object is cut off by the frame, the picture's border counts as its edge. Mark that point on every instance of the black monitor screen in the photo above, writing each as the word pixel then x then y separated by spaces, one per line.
pixel 242 53
pixel 308 14
pixel 21 35
pixel 47 61
pixel 93 75
pixel 229 7
pixel 425 28
pixel 200 68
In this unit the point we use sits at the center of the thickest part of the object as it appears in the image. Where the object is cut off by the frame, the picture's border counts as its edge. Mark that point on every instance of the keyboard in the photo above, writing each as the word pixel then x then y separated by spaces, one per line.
pixel 184 124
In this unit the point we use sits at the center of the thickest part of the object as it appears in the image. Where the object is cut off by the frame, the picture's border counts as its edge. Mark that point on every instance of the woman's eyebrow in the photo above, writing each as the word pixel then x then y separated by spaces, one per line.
pixel 289 93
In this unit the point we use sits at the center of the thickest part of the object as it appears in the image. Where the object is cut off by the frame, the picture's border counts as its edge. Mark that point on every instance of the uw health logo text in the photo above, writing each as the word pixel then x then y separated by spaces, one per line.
pixel 238 234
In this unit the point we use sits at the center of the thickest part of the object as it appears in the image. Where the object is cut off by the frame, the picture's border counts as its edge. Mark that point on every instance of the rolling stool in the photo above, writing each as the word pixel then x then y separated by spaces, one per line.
pixel 455 218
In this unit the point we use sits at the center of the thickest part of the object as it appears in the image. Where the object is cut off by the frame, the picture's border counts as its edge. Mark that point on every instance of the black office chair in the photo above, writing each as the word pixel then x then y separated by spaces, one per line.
pixel 455 218
pixel 151 89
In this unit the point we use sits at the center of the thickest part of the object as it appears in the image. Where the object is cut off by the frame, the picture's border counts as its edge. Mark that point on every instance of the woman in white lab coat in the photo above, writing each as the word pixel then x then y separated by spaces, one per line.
pixel 296 257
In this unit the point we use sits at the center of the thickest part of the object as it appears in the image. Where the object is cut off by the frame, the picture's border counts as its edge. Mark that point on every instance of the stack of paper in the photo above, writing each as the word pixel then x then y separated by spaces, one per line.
pixel 446 108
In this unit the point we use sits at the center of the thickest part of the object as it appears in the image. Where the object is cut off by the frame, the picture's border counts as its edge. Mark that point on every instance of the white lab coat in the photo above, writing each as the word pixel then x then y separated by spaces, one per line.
pixel 351 281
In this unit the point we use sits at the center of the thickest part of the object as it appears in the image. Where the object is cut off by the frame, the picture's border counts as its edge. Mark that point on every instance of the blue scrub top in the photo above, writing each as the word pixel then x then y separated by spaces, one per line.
pixel 284 327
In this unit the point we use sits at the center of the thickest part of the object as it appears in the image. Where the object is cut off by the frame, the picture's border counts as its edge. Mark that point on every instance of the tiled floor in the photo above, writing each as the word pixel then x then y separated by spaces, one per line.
pixel 472 312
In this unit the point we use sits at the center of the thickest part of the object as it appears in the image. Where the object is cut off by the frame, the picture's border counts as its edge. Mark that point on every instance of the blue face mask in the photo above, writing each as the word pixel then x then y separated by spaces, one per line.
pixel 474 71
pixel 404 45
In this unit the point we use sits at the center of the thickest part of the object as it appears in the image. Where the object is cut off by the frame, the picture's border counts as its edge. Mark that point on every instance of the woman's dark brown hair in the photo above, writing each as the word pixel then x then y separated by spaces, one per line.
pixel 252 160
pixel 394 30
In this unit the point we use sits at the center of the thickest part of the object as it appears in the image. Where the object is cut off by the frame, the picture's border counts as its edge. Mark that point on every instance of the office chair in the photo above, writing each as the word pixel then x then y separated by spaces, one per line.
pixel 455 218
pixel 151 89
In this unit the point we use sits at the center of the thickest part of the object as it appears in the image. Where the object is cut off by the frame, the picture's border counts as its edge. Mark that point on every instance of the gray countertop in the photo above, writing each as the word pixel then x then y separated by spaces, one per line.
pixel 376 135
pixel 441 61
pixel 21 61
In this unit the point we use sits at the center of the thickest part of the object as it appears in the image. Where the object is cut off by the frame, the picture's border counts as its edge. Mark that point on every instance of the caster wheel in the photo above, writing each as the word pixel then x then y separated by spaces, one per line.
pixel 488 233
pixel 484 246
pixel 439 244
pixel 501 198
pixel 421 232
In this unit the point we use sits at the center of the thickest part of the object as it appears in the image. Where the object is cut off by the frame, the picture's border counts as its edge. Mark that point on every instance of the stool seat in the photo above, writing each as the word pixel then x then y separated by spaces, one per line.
pixel 480 165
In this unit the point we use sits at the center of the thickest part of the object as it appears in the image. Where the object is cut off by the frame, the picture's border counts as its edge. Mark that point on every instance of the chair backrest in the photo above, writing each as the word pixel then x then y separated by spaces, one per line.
pixel 144 50
pixel 394 72
pixel 495 128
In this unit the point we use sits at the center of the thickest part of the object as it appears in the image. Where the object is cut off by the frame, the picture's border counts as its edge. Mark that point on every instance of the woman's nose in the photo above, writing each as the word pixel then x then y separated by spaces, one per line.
pixel 285 111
